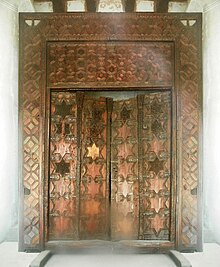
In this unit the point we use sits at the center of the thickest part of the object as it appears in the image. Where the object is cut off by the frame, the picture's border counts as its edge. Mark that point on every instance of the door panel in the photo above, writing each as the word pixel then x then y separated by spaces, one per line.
pixel 94 174
pixel 124 170
pixel 110 167
pixel 155 165
pixel 63 159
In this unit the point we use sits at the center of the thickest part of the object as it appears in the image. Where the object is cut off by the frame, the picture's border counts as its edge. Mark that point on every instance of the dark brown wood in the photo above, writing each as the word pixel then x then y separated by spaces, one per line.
pixel 129 5
pixel 124 170
pixel 129 246
pixel 91 5
pixel 94 175
pixel 160 42
pixel 161 6
pixel 119 63
pixel 59 6
pixel 63 215
pixel 155 179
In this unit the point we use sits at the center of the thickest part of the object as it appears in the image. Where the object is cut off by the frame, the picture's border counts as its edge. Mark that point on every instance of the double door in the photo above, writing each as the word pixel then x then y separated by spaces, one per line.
pixel 110 166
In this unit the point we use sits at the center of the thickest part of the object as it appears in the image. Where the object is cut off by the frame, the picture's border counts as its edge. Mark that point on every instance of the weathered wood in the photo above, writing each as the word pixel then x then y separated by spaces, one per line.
pixel 129 5
pixel 91 5
pixel 161 6
pixel 110 52
pixel 59 6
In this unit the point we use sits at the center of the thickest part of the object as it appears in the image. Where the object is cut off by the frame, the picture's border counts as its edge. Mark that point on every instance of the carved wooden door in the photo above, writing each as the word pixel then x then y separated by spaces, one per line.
pixel 118 168
pixel 110 167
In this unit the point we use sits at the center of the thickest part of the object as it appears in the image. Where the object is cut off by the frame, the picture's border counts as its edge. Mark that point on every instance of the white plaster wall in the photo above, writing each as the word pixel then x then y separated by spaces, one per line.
pixel 43 7
pixel 8 104
pixel 104 6
pixel 8 117
pixel 211 72
pixel 76 6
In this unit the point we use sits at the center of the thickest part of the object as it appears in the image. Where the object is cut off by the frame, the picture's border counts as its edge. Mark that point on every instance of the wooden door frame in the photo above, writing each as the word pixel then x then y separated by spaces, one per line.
pixel 184 31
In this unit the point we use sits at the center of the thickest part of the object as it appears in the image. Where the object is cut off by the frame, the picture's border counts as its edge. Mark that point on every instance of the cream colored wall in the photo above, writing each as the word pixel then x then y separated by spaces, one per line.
pixel 9 91
pixel 8 117
pixel 211 70
pixel 109 6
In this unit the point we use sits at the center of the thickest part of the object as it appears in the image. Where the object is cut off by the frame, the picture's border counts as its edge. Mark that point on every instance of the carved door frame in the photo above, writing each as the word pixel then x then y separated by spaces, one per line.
pixel 40 31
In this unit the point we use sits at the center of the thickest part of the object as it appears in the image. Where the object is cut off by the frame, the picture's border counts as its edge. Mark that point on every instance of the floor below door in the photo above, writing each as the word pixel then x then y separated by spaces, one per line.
pixel 10 257
pixel 110 260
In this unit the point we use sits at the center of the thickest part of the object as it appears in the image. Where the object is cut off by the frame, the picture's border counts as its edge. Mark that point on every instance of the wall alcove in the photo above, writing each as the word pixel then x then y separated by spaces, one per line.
pixel 110 119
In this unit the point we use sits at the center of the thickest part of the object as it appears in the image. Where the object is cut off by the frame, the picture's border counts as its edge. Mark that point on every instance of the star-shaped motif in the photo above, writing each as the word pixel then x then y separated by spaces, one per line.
pixel 62 167
pixel 157 184
pixel 125 114
pixel 97 115
pixel 156 127
pixel 156 106
pixel 157 223
pixel 63 109
pixel 93 151
pixel 156 165
pixel 156 203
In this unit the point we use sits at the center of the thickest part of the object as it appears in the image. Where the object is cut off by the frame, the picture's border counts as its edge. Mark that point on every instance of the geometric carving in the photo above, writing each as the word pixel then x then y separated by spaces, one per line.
pixel 136 32
pixel 124 170
pixel 93 151
pixel 94 170
pixel 155 166
pixel 63 162
pixel 73 63
pixel 190 114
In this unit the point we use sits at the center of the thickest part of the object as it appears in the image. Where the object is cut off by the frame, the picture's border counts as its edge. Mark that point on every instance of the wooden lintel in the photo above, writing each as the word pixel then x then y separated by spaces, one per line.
pixel 161 6
pixel 129 5
pixel 59 6
pixel 91 5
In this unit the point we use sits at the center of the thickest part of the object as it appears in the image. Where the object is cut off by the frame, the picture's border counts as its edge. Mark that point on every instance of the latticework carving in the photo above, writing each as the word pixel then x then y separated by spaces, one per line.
pixel 184 38
pixel 31 98
pixel 190 117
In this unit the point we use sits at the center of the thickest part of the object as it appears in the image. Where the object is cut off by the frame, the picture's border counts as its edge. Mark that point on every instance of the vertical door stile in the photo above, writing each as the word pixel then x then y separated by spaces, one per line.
pixel 79 101
pixel 140 100
pixel 108 166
